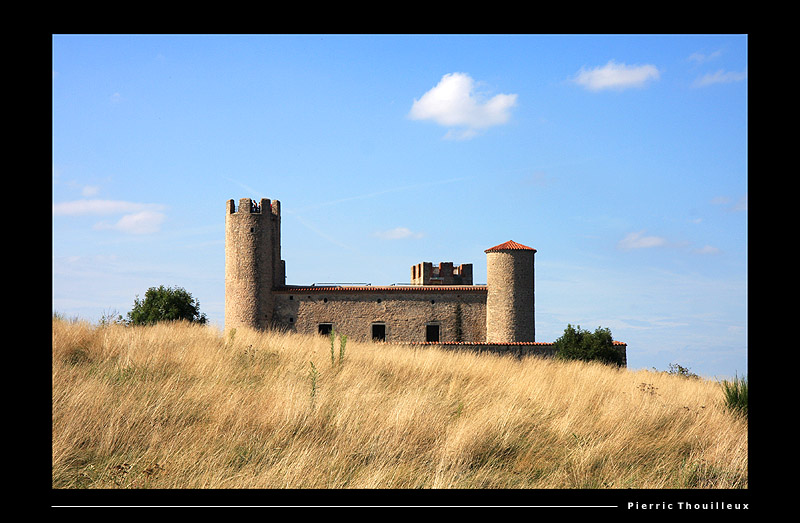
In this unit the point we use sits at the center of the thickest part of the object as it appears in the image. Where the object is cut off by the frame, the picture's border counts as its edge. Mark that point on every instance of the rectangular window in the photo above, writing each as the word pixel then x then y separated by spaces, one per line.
pixel 379 331
pixel 432 332
pixel 325 328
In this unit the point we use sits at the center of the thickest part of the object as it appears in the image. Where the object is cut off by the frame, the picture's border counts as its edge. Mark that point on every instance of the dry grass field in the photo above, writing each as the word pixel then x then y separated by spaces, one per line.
pixel 182 406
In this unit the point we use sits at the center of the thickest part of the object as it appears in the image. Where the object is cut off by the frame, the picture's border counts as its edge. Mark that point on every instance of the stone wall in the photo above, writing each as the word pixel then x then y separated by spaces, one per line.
pixel 405 311
pixel 517 350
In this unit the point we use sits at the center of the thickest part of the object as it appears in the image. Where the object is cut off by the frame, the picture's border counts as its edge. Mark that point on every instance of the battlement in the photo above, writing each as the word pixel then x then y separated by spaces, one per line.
pixel 445 273
pixel 251 206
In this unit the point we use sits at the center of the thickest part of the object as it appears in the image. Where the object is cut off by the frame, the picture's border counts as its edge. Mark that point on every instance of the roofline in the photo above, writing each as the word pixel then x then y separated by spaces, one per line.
pixel 510 245
pixel 381 288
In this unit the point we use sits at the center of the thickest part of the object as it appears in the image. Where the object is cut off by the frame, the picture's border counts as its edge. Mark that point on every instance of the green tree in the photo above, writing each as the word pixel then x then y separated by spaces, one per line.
pixel 580 344
pixel 165 304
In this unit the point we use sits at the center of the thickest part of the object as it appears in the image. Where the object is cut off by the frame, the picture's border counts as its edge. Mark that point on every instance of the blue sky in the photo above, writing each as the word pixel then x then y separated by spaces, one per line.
pixel 621 158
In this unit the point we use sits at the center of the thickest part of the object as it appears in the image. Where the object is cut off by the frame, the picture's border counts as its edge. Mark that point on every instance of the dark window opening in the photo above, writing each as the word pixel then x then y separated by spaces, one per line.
pixel 325 328
pixel 432 333
pixel 379 331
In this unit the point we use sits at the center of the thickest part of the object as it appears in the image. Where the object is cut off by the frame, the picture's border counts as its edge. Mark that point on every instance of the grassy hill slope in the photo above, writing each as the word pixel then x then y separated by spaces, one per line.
pixel 184 406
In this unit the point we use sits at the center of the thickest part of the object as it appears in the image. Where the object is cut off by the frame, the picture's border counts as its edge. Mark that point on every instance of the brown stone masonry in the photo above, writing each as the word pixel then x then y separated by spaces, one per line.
pixel 393 313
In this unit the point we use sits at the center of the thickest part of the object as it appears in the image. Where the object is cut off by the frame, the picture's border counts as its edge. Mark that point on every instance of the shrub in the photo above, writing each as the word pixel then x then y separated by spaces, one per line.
pixel 679 370
pixel 580 344
pixel 736 395
pixel 165 304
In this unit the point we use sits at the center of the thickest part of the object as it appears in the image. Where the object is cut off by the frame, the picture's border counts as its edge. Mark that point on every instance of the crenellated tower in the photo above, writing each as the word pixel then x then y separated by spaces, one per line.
pixel 253 265
pixel 509 299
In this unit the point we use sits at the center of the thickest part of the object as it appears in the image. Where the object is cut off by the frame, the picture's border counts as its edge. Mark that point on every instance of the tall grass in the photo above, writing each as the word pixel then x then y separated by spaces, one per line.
pixel 736 395
pixel 184 406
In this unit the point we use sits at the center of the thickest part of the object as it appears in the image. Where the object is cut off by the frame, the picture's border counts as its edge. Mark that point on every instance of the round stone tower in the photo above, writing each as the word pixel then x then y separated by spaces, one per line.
pixel 509 300
pixel 252 262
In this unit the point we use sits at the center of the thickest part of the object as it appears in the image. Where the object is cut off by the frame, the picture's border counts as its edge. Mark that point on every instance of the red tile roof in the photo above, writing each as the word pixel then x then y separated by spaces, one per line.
pixel 510 246
pixel 381 288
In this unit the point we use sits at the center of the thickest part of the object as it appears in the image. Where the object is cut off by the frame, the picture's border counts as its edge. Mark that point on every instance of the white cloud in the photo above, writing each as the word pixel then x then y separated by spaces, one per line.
pixel 719 77
pixel 398 233
pixel 616 76
pixel 139 218
pixel 702 58
pixel 453 102
pixel 90 190
pixel 708 249
pixel 100 207
pixel 739 206
pixel 637 240
pixel 144 222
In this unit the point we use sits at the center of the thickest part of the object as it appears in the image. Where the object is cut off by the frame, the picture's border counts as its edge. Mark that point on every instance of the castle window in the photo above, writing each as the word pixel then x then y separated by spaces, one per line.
pixel 325 328
pixel 432 332
pixel 379 331
pixel 324 300
pixel 291 297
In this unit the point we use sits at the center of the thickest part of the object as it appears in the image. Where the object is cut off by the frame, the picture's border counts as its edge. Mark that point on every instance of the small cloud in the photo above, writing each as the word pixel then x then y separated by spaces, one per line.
pixel 100 207
pixel 116 98
pixel 537 178
pixel 144 222
pixel 739 206
pixel 453 102
pixel 720 200
pixel 138 218
pixel 708 249
pixel 701 58
pixel 398 233
pixel 637 240
pixel 90 190
pixel 616 76
pixel 719 77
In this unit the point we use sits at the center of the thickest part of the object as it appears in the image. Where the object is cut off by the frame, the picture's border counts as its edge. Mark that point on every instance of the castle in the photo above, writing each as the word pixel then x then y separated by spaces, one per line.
pixel 440 305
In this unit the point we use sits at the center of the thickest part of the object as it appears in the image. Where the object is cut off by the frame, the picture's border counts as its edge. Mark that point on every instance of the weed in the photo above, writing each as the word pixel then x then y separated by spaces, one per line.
pixel 342 343
pixel 312 375
pixel 736 395
pixel 648 388
pixel 333 341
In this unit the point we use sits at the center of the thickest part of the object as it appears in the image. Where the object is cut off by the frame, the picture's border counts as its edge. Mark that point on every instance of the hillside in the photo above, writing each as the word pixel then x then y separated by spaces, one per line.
pixel 184 406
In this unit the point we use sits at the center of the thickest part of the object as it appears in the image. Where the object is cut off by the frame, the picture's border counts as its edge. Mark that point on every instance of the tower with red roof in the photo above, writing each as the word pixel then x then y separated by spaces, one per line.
pixel 510 300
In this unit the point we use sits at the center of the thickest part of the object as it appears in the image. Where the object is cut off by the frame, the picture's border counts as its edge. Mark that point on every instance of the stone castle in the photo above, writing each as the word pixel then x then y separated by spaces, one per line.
pixel 440 305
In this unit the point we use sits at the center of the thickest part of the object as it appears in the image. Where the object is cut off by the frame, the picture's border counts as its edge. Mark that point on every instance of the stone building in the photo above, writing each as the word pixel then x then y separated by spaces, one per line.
pixel 440 305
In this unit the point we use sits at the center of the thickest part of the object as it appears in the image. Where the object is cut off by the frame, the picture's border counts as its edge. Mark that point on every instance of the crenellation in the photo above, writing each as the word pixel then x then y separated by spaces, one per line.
pixel 425 273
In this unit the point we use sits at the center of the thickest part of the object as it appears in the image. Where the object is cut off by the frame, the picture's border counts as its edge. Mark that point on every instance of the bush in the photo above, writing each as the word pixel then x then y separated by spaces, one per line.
pixel 579 344
pixel 679 370
pixel 165 304
pixel 736 395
